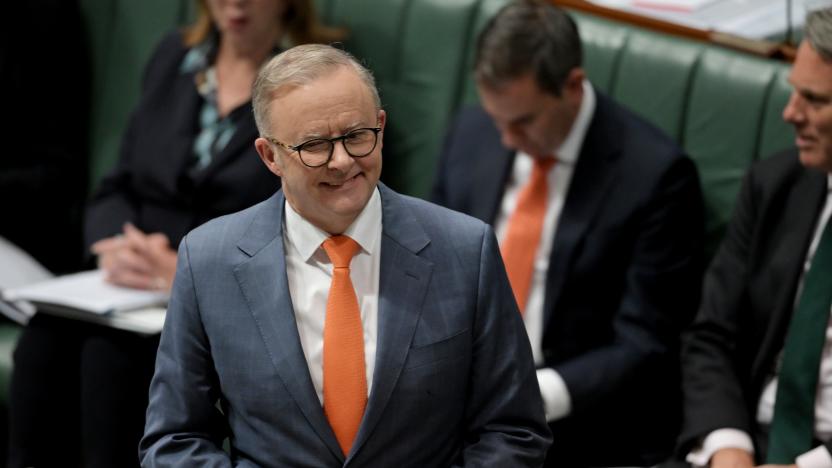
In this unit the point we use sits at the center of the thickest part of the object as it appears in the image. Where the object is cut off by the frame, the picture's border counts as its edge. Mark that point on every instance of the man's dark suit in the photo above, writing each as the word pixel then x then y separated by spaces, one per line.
pixel 453 383
pixel 748 298
pixel 623 277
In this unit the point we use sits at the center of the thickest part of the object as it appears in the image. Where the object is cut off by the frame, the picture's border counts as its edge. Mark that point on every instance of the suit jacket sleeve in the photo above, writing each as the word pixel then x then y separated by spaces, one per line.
pixel 713 395
pixel 184 426
pixel 504 414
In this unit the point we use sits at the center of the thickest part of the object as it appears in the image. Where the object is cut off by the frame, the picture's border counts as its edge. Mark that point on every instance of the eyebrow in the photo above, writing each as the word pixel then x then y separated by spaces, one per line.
pixel 344 130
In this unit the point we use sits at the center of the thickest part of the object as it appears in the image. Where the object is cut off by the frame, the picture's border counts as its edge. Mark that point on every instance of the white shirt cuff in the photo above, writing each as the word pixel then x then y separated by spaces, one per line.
pixel 556 399
pixel 818 457
pixel 719 439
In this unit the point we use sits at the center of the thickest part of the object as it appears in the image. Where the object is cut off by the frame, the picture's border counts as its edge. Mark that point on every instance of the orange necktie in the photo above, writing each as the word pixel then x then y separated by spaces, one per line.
pixel 525 227
pixel 345 379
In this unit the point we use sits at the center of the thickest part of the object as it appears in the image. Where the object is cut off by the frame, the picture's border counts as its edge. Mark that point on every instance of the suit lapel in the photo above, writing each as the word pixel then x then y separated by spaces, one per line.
pixel 265 286
pixel 404 278
pixel 183 125
pixel 244 136
pixel 593 177
pixel 793 229
pixel 491 170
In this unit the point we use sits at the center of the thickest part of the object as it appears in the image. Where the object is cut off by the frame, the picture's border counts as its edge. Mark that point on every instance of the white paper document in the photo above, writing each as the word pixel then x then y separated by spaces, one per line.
pixel 88 292
pixel 672 5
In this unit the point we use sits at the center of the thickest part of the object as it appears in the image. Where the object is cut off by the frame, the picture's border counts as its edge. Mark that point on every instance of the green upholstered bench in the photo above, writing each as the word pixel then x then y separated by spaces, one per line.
pixel 722 106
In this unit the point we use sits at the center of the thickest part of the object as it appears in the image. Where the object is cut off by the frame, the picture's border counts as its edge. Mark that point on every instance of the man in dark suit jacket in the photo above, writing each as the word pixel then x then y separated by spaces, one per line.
pixel 753 291
pixel 617 266
pixel 446 375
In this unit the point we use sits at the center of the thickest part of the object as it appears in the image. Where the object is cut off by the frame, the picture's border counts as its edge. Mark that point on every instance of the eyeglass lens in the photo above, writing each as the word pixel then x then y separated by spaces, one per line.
pixel 357 143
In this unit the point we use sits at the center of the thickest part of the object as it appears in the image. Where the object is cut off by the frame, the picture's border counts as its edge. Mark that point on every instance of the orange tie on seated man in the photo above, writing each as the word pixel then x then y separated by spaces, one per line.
pixel 525 227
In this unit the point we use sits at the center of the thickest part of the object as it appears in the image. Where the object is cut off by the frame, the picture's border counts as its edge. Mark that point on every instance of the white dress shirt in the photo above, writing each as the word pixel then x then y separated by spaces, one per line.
pixel 818 457
pixel 310 274
pixel 556 399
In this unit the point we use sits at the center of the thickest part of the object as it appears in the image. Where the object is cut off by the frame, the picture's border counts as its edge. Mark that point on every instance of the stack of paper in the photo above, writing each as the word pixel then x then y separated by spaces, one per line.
pixel 86 291
pixel 26 287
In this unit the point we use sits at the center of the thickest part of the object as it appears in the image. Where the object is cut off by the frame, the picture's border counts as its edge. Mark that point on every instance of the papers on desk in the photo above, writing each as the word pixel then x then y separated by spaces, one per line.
pixel 17 268
pixel 26 287
pixel 88 292
pixel 86 296
pixel 673 5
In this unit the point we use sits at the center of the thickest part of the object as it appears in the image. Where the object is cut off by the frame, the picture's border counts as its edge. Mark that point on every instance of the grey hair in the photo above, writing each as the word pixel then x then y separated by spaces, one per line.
pixel 528 36
pixel 298 66
pixel 818 32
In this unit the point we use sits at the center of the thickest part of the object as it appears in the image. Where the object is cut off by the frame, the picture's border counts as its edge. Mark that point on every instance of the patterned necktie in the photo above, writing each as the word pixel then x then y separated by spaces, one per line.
pixel 525 227
pixel 345 379
pixel 792 427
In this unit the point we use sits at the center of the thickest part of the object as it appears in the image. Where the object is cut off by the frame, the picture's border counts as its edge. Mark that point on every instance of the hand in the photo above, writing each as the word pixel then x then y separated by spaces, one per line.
pixel 137 260
pixel 732 458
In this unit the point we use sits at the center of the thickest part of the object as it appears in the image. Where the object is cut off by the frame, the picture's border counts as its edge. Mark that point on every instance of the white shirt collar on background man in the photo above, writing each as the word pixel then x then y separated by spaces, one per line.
pixel 571 146
pixel 309 272
pixel 556 399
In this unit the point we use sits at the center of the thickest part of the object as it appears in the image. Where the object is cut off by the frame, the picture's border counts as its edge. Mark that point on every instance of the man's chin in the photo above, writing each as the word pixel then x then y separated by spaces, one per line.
pixel 813 158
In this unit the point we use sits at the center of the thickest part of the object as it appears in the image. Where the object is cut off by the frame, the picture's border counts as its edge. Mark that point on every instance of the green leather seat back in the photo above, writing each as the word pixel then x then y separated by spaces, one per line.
pixel 776 134
pixel 653 77
pixel 603 42
pixel 722 125
pixel 418 50
pixel 487 9
pixel 121 35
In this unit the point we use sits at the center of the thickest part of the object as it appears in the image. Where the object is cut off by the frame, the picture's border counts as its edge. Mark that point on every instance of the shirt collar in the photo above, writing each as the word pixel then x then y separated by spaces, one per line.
pixel 306 238
pixel 571 146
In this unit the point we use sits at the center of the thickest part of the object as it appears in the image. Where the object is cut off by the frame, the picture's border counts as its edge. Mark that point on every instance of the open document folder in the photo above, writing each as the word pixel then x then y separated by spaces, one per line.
pixel 87 292
pixel 26 287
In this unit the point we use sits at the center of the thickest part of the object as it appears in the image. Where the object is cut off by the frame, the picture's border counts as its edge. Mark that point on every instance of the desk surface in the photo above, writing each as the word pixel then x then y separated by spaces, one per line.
pixel 753 19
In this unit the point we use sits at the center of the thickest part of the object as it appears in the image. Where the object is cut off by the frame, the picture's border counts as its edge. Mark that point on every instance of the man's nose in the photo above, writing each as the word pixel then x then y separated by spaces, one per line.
pixel 340 160
pixel 509 138
pixel 793 113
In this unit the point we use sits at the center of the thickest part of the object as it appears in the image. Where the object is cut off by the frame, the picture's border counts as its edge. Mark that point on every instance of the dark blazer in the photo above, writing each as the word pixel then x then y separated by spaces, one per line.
pixel 454 383
pixel 748 298
pixel 152 184
pixel 623 277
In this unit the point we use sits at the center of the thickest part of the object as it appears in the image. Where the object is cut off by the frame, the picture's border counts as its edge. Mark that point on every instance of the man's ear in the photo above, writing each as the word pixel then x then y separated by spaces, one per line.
pixel 268 155
pixel 575 80
pixel 573 87
pixel 382 118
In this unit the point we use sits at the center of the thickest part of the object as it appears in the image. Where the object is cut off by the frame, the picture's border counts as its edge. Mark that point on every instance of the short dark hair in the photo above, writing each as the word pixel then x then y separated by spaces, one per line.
pixel 818 32
pixel 528 36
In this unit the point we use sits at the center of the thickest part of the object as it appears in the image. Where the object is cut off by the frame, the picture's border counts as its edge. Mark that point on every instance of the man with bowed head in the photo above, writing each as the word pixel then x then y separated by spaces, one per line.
pixel 600 222
pixel 339 323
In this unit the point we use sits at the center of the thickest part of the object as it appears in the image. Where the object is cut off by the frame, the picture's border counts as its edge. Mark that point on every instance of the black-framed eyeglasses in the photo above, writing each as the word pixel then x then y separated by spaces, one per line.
pixel 318 151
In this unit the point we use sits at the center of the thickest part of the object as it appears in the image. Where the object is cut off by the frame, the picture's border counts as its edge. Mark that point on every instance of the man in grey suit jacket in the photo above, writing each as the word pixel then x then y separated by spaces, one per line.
pixel 449 374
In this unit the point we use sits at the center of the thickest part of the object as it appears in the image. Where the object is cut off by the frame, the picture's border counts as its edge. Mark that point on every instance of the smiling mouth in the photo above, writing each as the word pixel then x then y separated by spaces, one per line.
pixel 803 141
pixel 345 182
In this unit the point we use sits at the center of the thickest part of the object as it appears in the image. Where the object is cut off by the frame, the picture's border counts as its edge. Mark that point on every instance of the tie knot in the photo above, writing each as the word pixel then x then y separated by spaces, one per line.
pixel 340 250
pixel 544 163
